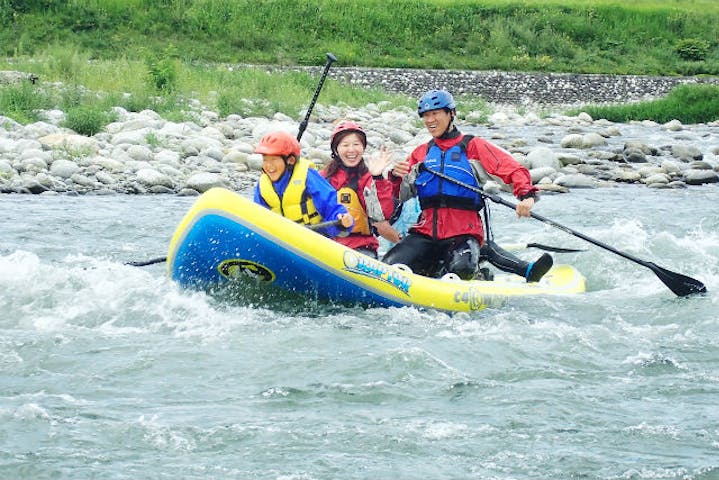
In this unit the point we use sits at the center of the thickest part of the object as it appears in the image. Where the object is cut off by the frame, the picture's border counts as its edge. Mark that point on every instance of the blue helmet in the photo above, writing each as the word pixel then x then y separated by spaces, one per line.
pixel 434 100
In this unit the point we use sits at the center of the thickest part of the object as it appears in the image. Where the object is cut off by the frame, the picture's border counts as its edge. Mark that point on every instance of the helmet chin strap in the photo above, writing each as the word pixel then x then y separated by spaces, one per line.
pixel 451 131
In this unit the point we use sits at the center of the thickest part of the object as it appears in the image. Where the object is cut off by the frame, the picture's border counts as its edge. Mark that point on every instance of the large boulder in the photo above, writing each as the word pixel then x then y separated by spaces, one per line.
pixel 64 168
pixel 700 177
pixel 203 181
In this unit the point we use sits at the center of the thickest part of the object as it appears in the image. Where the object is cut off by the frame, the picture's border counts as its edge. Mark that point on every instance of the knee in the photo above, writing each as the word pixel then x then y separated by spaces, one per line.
pixel 464 265
pixel 464 261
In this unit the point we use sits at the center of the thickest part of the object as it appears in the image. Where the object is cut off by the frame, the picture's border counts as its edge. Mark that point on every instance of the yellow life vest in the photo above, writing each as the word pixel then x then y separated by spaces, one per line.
pixel 347 196
pixel 295 204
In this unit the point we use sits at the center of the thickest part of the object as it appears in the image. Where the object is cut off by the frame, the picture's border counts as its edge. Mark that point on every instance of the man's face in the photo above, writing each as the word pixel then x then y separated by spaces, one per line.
pixel 437 121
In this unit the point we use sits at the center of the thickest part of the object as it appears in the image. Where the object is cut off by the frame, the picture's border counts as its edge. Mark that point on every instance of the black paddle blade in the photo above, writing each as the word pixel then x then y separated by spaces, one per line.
pixel 680 284
pixel 145 263
pixel 550 248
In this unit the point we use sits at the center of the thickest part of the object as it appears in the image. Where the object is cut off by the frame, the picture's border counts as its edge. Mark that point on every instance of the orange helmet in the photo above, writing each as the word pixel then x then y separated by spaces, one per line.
pixel 278 143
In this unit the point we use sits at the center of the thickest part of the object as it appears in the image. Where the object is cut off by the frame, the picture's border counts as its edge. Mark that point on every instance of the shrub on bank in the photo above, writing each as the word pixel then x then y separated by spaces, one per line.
pixel 686 103
pixel 692 49
pixel 22 102
pixel 88 119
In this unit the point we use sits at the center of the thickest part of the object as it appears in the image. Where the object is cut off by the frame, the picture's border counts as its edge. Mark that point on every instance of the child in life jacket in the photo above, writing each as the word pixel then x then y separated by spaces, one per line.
pixel 290 186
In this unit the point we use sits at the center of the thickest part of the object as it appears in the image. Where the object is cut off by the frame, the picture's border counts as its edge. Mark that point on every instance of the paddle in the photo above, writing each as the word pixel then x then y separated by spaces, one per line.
pixel 681 285
pixel 145 263
pixel 321 225
pixel 548 248
pixel 303 126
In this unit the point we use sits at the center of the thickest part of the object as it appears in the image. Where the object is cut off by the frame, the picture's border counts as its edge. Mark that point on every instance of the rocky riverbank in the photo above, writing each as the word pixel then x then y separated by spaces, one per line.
pixel 144 153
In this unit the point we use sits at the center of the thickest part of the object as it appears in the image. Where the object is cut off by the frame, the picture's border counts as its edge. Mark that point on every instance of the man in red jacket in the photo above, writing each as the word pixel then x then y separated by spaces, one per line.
pixel 448 236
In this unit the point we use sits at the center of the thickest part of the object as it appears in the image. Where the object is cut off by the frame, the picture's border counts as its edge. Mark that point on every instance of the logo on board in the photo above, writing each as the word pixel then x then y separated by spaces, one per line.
pixel 368 267
pixel 235 267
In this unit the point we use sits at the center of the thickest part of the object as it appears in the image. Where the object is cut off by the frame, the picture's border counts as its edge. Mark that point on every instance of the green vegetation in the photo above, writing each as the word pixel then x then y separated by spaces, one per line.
pixel 654 37
pixel 166 55
pixel 692 49
pixel 687 103
pixel 172 88
pixel 88 119
pixel 21 102
pixel 90 90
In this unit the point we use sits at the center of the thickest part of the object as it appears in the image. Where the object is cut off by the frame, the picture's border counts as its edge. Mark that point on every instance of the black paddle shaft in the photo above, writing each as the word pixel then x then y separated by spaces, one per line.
pixel 303 124
pixel 680 284
pixel 145 263
pixel 321 225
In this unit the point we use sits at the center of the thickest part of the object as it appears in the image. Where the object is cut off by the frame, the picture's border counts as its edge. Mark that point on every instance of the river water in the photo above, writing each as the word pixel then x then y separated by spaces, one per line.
pixel 110 371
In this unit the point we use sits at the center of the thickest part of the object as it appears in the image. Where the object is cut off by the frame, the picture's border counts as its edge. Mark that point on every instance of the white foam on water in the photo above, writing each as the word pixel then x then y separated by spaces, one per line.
pixel 31 411
pixel 438 430
pixel 164 437
pixel 653 359
pixel 81 293
pixel 644 428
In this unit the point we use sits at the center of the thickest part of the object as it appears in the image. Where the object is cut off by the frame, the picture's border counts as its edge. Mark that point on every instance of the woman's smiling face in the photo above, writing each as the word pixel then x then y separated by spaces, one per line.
pixel 350 149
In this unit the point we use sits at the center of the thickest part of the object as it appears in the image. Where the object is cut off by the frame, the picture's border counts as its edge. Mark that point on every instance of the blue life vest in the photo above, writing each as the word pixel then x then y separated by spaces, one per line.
pixel 436 192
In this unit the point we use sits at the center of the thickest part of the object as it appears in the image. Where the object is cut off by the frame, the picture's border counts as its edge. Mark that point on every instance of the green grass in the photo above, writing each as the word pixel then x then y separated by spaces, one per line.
pixel 253 92
pixel 89 89
pixel 686 103
pixel 583 36
pixel 161 54
pixel 21 103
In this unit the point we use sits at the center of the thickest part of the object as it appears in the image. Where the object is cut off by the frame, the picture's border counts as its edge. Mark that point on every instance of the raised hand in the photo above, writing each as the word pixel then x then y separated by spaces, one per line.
pixel 378 162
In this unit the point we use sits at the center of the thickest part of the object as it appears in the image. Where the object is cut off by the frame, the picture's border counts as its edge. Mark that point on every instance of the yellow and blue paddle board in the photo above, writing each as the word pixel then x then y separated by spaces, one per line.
pixel 225 236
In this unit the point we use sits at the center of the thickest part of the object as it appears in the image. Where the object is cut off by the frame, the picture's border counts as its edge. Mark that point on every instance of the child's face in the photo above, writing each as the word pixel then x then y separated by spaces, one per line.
pixel 350 149
pixel 274 166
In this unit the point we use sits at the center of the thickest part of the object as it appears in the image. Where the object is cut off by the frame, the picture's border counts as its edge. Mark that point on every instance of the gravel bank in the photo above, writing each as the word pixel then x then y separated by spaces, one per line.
pixel 515 89
pixel 144 153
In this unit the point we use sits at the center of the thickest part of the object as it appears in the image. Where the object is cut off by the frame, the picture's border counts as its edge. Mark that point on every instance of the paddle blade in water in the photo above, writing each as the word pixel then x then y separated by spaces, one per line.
pixel 680 284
